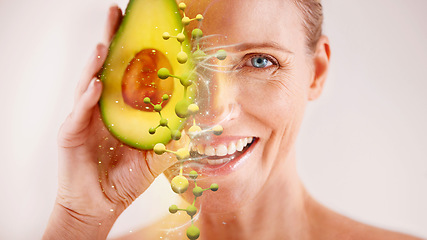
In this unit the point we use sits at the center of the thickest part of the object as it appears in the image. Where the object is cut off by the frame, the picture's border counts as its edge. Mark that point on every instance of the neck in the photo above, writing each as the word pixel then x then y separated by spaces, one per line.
pixel 278 212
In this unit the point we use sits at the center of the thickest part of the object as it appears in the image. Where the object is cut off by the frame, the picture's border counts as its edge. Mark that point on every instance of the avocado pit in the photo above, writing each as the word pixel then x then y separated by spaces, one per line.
pixel 140 80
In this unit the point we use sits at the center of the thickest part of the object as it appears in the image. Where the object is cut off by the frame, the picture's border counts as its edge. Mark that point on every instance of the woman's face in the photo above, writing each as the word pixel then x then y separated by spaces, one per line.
pixel 259 91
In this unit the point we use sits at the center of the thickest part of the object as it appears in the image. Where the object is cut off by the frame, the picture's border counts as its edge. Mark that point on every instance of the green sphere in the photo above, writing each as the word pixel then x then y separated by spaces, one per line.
pixel 191 210
pixel 152 130
pixel 182 57
pixel 197 33
pixel 166 35
pixel 163 73
pixel 197 191
pixel 173 208
pixel 176 135
pixel 163 122
pixel 214 187
pixel 159 148
pixel 157 107
pixel 193 232
pixel 193 174
pixel 146 100
pixel 179 184
pixel 221 54
pixel 199 55
pixel 165 97
pixel 185 80
pixel 181 108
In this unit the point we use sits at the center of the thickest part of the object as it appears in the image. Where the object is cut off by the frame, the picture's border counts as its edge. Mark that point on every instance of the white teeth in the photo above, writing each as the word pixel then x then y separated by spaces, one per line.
pixel 221 150
pixel 239 145
pixel 210 151
pixel 232 148
pixel 200 149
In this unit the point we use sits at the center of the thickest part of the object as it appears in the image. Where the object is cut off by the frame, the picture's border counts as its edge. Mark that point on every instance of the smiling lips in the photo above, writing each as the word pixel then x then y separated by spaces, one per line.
pixel 224 152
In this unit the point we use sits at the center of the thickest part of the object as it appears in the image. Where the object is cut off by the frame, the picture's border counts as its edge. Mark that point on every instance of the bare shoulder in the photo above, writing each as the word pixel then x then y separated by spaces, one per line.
pixel 356 230
pixel 378 233
pixel 327 224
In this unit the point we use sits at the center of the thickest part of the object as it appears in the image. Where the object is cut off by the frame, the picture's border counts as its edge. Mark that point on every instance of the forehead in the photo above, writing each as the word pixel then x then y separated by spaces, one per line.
pixel 254 21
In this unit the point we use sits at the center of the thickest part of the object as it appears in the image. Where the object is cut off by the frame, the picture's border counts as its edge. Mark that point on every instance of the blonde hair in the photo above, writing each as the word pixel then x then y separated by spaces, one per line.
pixel 312 19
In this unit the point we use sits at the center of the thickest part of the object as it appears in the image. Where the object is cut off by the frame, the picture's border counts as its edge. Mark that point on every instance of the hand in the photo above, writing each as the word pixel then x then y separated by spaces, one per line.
pixel 99 176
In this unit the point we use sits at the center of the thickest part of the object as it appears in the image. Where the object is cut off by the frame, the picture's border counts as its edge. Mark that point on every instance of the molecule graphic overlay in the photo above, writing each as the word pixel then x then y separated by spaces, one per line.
pixel 184 109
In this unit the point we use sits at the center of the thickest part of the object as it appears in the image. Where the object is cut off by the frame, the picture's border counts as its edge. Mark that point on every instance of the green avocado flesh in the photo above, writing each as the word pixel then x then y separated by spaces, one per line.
pixel 129 74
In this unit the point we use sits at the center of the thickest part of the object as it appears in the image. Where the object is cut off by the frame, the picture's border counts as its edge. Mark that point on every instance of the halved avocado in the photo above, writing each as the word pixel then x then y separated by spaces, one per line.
pixel 129 74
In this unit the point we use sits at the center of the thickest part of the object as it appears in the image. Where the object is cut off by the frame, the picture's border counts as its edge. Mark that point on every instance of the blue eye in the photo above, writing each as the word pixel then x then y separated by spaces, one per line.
pixel 259 62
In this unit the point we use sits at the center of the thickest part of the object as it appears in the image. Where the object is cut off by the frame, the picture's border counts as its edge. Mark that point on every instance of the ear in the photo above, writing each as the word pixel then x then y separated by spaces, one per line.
pixel 321 66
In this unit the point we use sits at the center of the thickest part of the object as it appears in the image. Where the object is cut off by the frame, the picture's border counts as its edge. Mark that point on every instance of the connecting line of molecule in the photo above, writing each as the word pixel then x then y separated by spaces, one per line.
pixel 183 109
pixel 193 232
pixel 182 57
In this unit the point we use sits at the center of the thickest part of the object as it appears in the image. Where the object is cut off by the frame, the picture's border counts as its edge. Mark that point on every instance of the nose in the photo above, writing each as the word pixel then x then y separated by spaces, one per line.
pixel 216 94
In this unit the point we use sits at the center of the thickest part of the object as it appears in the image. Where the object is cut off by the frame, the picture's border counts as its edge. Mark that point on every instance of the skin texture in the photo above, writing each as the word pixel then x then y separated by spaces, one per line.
pixel 261 199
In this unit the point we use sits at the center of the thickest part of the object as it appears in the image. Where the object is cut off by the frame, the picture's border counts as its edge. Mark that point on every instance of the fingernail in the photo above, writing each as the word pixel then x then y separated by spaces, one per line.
pixel 92 83
pixel 98 50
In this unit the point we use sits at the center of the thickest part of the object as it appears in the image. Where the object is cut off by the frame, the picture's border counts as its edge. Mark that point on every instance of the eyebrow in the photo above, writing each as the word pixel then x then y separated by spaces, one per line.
pixel 272 45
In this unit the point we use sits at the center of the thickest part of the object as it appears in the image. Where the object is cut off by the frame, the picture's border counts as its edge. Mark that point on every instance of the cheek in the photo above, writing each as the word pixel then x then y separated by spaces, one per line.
pixel 274 101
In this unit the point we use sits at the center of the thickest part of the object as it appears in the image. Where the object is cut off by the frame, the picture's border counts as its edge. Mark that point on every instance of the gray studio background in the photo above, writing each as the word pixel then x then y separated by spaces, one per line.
pixel 362 147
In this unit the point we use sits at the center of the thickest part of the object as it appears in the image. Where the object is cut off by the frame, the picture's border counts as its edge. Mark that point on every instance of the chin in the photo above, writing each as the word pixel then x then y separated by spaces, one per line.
pixel 238 172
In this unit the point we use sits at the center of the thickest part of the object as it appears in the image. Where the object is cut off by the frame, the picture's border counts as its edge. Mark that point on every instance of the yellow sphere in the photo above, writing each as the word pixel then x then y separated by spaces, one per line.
pixel 194 129
pixel 193 109
pixel 159 148
pixel 182 57
pixel 182 153
pixel 180 37
pixel 179 184
pixel 217 130
pixel 186 21
pixel 182 6
pixel 166 35
pixel 199 17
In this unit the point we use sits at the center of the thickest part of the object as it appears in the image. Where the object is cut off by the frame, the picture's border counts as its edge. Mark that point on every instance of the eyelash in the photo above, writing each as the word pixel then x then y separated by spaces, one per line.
pixel 247 62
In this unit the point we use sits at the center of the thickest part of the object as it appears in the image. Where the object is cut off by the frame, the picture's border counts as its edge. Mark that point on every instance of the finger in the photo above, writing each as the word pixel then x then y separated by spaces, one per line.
pixel 89 99
pixel 113 22
pixel 75 129
pixel 91 70
pixel 98 58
